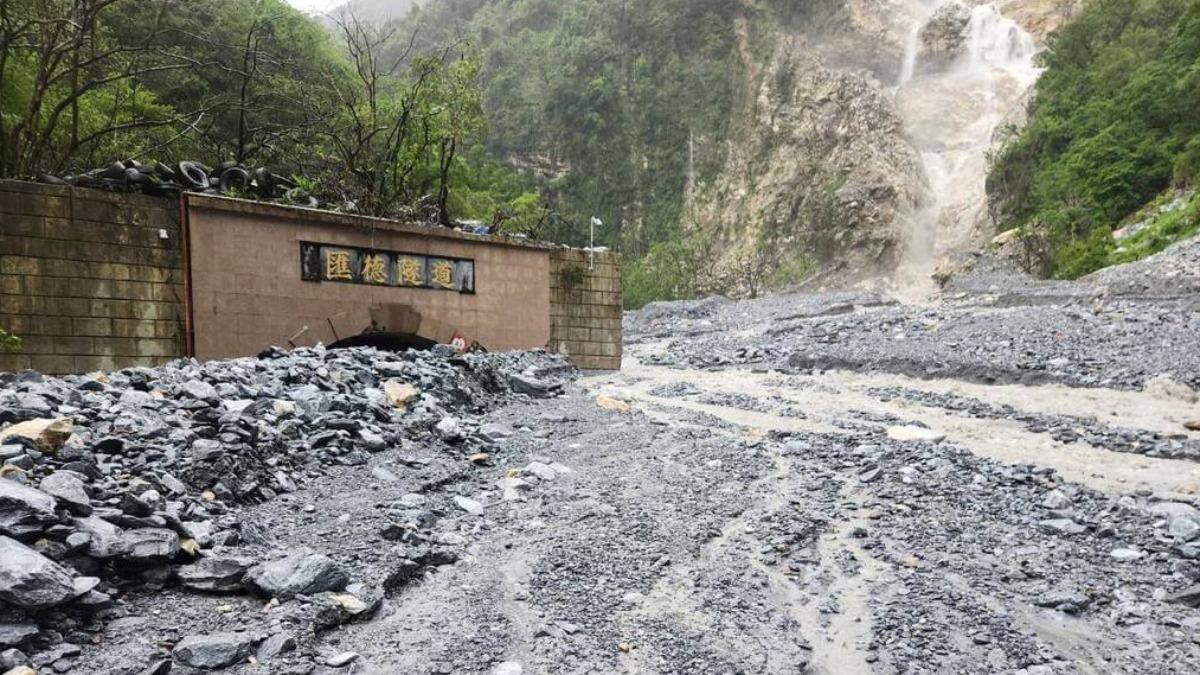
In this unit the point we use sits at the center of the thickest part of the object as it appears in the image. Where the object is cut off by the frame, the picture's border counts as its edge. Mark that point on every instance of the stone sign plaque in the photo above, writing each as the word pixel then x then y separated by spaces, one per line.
pixel 352 265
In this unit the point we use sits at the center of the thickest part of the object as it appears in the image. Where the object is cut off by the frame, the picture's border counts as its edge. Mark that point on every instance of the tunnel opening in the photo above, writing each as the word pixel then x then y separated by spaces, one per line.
pixel 386 341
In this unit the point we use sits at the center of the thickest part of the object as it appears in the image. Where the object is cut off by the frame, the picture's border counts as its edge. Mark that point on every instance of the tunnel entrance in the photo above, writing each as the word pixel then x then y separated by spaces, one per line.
pixel 386 341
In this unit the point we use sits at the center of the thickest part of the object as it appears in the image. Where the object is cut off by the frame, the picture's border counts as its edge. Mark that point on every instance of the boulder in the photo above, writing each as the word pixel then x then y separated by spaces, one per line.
pixel 24 511
pixel 31 580
pixel 70 491
pixel 399 394
pixel 151 544
pixel 105 540
pixel 199 390
pixel 216 650
pixel 274 646
pixel 218 574
pixel 49 434
pixel 531 386
pixel 13 634
pixel 300 573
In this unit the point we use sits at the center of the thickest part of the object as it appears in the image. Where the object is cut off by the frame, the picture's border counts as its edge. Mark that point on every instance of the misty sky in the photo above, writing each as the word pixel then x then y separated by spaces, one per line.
pixel 320 5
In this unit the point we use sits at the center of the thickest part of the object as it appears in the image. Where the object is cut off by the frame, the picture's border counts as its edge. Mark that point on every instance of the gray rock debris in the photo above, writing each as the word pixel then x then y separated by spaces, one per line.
pixel 300 573
pixel 274 646
pixel 133 473
pixel 217 574
pixel 216 650
pixel 69 489
pixel 469 505
pixel 24 511
pixel 14 634
pixel 30 579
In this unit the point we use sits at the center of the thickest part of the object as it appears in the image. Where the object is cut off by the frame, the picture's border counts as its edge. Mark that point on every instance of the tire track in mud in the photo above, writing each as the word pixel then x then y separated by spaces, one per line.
pixel 827 605
pixel 831 398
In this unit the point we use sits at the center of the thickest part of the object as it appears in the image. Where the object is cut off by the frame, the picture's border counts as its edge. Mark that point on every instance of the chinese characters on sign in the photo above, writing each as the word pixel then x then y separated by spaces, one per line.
pixel 319 262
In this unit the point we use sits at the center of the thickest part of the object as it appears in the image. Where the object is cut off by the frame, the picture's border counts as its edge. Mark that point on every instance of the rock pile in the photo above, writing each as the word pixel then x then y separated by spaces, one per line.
pixel 131 480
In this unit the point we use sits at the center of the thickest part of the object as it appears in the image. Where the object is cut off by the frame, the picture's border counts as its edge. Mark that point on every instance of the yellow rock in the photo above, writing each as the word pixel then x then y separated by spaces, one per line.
pixel 1006 238
pixel 399 394
pixel 49 434
pixel 21 670
pixel 616 405
pixel 481 458
pixel 10 470
pixel 190 546
pixel 350 604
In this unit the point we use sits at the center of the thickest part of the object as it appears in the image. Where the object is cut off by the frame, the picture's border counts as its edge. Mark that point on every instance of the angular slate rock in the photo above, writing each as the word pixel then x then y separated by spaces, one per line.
pixel 105 540
pixel 13 634
pixel 531 386
pixel 31 580
pixel 301 573
pixel 218 574
pixel 469 505
pixel 274 646
pixel 1061 526
pixel 216 650
pixel 149 544
pixel 1189 597
pixel 24 511
pixel 199 390
pixel 69 490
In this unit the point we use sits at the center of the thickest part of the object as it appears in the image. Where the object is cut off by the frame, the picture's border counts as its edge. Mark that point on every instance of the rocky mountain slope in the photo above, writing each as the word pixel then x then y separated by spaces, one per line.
pixel 862 139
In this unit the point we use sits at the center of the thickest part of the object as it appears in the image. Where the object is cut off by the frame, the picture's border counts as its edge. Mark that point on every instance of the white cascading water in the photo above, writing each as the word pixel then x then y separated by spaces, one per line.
pixel 952 113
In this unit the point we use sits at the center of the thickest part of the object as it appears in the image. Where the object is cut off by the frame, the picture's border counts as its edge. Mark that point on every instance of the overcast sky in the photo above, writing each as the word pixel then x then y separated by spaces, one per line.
pixel 320 5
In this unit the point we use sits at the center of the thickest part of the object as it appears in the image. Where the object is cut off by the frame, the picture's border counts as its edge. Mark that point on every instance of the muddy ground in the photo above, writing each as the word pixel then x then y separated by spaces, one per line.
pixel 724 506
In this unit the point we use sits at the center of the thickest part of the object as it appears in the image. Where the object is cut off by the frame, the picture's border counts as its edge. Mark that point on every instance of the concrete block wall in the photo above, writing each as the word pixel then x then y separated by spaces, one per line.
pixel 87 280
pixel 585 308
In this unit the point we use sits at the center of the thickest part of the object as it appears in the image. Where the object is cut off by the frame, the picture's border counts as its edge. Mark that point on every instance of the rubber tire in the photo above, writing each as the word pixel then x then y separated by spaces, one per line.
pixel 192 177
pixel 234 177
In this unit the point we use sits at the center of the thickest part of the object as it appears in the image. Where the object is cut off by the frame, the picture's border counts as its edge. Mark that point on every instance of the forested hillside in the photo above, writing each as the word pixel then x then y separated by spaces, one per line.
pixel 606 101
pixel 724 146
pixel 1113 140
pixel 86 82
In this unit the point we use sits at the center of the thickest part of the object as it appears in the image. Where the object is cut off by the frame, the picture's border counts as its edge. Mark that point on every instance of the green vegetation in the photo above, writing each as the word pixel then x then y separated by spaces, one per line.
pixel 86 82
pixel 533 116
pixel 8 341
pixel 1165 229
pixel 1112 127
pixel 605 104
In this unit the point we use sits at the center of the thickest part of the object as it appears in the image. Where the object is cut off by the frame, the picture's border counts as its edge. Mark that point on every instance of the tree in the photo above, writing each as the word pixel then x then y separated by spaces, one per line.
pixel 399 120
pixel 71 84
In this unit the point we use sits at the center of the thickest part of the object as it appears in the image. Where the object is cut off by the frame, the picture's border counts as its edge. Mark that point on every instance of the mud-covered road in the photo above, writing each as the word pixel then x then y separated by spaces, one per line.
pixel 832 483
pixel 742 522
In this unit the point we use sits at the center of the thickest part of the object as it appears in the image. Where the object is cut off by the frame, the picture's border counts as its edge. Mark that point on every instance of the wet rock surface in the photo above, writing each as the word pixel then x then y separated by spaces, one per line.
pixel 1021 332
pixel 713 508
pixel 168 499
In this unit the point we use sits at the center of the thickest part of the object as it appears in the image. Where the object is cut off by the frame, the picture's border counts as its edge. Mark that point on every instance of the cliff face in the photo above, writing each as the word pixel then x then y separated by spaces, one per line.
pixel 864 148
pixel 818 165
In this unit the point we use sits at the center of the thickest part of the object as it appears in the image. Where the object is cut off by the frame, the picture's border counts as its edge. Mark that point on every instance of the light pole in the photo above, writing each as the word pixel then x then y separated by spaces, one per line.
pixel 592 243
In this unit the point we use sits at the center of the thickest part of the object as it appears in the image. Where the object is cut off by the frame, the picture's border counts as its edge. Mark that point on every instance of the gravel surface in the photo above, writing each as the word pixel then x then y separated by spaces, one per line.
pixel 1004 482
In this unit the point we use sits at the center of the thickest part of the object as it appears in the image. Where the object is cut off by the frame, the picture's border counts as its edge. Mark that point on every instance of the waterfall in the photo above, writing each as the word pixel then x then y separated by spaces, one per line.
pixel 951 115
pixel 995 41
pixel 909 65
